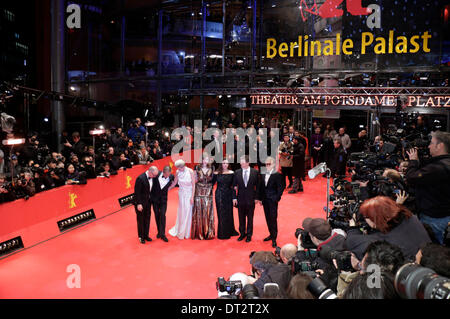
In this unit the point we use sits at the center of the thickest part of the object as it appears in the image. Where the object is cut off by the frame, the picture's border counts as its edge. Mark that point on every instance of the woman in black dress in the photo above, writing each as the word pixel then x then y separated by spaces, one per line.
pixel 224 202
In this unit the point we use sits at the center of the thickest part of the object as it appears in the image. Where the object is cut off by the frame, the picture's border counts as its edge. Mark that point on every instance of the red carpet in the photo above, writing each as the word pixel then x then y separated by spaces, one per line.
pixel 115 265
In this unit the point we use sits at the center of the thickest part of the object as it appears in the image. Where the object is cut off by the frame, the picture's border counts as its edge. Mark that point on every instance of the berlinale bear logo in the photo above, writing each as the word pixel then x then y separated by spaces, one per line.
pixel 329 9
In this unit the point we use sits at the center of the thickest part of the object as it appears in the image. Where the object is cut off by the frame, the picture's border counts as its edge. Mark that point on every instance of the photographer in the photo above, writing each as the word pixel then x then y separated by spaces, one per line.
pixel 435 257
pixel 390 222
pixel 55 175
pixel 359 289
pixel 156 151
pixel 144 156
pixel 360 144
pixel 338 159
pixel 7 193
pixel 137 131
pixel 41 181
pixel 72 176
pixel 88 167
pixel 389 258
pixel 123 162
pixel 266 269
pixel 29 150
pixel 432 184
pixel 105 170
pixel 14 168
pixel 25 186
pixel 77 147
pixel 321 234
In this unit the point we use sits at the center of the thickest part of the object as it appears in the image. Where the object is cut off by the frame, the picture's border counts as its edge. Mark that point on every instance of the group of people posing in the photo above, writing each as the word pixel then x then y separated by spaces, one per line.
pixel 243 188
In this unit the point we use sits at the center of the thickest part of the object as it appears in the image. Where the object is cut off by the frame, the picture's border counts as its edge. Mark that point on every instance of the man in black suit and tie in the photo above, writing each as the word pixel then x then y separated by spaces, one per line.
pixel 161 184
pixel 246 182
pixel 271 189
pixel 142 193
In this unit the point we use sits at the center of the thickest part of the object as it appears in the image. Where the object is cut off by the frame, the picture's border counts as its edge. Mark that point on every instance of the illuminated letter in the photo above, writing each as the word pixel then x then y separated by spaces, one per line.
pixel 329 48
pixel 415 44
pixel 271 48
pixel 426 36
pixel 403 44
pixel 348 44
pixel 367 39
pixel 282 49
pixel 380 48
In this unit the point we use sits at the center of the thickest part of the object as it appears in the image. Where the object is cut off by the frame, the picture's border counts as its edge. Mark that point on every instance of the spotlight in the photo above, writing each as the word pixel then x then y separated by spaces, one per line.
pixel 97 132
pixel 150 124
pixel 13 141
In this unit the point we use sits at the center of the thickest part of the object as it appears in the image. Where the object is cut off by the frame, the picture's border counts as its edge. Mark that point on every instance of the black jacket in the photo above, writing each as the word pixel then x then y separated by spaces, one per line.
pixel 246 194
pixel 159 195
pixel 432 186
pixel 274 189
pixel 298 160
pixel 339 162
pixel 279 274
pixel 410 235
pixel 142 191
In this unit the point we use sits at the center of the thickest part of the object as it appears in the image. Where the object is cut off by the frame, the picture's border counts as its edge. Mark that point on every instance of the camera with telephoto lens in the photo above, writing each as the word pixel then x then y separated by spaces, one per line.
pixel 318 289
pixel 343 258
pixel 304 238
pixel 8 186
pixel 231 287
pixel 415 282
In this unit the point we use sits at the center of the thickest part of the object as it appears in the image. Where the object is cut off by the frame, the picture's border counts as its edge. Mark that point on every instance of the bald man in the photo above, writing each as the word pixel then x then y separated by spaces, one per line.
pixel 287 252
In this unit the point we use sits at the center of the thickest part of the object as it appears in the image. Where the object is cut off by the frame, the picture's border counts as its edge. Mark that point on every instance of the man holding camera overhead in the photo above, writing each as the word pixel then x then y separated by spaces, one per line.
pixel 432 184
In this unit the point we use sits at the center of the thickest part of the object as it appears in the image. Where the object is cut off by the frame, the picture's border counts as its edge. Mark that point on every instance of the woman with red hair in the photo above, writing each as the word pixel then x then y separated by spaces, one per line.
pixel 390 222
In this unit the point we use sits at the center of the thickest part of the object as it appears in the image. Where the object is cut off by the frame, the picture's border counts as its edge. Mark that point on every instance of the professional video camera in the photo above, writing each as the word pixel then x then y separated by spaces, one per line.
pixel 233 288
pixel 367 161
pixel 415 282
pixel 346 202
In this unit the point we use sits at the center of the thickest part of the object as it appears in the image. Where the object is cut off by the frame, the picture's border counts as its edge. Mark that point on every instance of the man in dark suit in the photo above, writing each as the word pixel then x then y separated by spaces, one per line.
pixel 271 189
pixel 142 192
pixel 298 168
pixel 246 183
pixel 161 184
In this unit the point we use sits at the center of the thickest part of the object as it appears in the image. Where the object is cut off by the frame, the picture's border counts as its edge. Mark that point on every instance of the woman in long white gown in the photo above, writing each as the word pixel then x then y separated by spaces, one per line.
pixel 186 182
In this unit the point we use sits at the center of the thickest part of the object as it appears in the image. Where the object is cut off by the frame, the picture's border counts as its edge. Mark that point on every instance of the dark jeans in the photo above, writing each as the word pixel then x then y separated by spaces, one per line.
pixel 287 171
pixel 438 225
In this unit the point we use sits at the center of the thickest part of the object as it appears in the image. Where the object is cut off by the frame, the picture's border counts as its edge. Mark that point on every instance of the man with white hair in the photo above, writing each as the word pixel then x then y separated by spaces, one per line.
pixel 271 189
pixel 142 190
